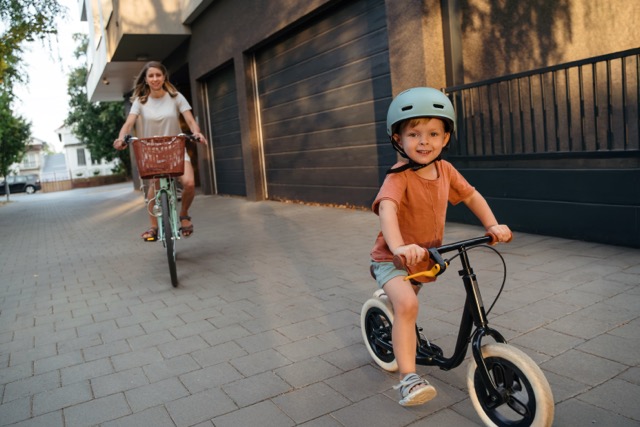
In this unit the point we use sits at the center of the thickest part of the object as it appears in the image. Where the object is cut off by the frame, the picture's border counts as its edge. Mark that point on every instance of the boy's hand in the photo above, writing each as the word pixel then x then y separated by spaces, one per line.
pixel 413 254
pixel 502 232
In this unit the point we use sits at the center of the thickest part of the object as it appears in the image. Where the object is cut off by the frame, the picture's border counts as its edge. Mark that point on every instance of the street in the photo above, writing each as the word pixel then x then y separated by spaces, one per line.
pixel 264 328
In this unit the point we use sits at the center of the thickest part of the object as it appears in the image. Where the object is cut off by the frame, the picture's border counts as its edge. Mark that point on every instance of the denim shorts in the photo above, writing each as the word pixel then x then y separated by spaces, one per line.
pixel 385 271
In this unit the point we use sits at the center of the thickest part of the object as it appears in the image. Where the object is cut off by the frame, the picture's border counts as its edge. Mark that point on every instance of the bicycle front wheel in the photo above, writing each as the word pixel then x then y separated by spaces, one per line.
pixel 529 401
pixel 169 241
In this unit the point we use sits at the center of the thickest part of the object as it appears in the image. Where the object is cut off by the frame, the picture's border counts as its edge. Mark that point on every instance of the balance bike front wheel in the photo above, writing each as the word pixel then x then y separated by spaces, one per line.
pixel 529 401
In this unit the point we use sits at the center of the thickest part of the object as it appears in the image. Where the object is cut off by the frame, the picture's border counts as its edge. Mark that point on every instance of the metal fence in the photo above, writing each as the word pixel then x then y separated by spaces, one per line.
pixel 586 108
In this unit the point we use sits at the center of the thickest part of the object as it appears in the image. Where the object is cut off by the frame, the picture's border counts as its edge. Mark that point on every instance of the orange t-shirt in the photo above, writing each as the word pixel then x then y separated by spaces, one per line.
pixel 422 207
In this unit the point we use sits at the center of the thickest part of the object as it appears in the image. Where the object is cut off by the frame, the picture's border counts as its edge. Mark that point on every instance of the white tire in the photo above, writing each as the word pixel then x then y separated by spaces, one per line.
pixel 376 321
pixel 527 386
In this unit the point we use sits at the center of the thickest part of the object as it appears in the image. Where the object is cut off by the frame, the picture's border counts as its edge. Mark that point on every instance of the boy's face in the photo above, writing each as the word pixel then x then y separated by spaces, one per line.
pixel 423 139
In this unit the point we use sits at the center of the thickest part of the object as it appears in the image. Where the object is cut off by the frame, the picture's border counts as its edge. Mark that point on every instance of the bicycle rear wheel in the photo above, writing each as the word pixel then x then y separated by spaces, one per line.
pixel 169 241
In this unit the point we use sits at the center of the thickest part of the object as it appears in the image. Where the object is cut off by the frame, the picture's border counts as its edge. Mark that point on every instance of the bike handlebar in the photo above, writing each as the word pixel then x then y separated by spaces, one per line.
pixel 130 138
pixel 399 261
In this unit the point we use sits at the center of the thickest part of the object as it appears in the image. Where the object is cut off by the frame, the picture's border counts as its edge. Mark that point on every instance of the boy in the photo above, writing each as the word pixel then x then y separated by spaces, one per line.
pixel 412 206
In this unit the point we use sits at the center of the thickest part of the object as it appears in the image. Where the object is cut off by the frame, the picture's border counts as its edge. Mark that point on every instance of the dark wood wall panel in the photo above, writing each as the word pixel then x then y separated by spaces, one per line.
pixel 324 91
pixel 225 133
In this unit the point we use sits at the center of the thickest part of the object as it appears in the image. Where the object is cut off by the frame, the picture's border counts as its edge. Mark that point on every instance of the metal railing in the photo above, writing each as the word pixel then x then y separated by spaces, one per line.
pixel 581 108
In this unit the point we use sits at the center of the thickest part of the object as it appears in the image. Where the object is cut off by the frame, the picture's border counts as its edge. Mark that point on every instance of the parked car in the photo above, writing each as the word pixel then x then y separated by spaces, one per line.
pixel 20 184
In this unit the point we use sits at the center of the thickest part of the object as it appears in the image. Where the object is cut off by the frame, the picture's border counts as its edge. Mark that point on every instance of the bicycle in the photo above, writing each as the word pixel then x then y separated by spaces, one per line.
pixel 162 158
pixel 506 386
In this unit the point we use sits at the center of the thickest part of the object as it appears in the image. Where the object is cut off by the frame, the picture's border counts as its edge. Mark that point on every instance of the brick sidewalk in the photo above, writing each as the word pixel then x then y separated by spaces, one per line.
pixel 264 329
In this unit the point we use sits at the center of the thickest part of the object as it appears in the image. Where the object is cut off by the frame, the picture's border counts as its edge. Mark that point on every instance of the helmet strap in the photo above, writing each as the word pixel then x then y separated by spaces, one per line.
pixel 414 166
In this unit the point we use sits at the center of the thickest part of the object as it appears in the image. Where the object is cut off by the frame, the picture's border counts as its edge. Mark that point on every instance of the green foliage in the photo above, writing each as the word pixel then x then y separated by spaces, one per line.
pixel 94 124
pixel 15 132
pixel 23 21
pixel 20 21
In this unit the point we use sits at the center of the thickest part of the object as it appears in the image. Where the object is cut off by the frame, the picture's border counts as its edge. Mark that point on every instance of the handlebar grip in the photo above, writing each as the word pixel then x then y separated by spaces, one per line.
pixel 494 238
pixel 400 262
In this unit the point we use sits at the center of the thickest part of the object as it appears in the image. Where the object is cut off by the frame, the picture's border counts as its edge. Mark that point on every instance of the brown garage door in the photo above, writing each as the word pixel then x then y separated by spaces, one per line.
pixel 225 133
pixel 324 90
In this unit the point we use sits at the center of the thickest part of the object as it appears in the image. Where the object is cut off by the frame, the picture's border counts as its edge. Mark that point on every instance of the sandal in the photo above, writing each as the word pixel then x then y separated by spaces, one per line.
pixel 415 390
pixel 151 235
pixel 188 229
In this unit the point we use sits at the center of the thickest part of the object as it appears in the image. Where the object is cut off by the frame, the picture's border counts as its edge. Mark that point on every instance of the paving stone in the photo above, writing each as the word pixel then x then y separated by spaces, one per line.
pixel 85 371
pixel 97 411
pixel 547 341
pixel 134 359
pixel 264 414
pixel 182 346
pixel 61 398
pixel 584 367
pixel 218 354
pixel 574 412
pixel 261 341
pixel 626 351
pixel 15 410
pixel 154 394
pixel 118 382
pixel 211 377
pixel 30 386
pixel 310 402
pixel 307 372
pixel 16 372
pixel 360 383
pixel 616 395
pixel 256 363
pixel 199 407
pixel 52 419
pixel 58 362
pixel 170 367
pixel 254 389
pixel 106 350
pixel 156 417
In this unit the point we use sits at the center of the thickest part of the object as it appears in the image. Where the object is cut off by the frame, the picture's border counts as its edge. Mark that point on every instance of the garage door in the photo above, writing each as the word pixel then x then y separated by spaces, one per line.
pixel 225 133
pixel 324 90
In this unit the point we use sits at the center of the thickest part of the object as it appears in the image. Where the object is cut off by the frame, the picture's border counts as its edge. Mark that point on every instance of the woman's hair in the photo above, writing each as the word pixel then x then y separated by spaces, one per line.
pixel 141 89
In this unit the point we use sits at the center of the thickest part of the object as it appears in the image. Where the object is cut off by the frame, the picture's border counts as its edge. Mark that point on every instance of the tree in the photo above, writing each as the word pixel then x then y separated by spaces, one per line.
pixel 23 21
pixel 15 132
pixel 94 124
pixel 20 21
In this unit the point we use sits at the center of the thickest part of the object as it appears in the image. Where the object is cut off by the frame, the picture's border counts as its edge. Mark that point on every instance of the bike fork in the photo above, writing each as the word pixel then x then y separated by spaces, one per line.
pixel 475 307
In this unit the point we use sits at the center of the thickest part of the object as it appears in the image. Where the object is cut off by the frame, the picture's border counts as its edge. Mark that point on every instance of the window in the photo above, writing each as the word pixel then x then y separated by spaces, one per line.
pixel 82 161
pixel 30 161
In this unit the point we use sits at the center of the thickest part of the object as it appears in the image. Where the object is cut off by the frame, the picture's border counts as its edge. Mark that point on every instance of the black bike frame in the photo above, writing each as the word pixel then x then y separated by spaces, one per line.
pixel 473 315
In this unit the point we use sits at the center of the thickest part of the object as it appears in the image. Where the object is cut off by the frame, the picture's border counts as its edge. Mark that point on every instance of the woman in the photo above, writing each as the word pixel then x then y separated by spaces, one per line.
pixel 158 105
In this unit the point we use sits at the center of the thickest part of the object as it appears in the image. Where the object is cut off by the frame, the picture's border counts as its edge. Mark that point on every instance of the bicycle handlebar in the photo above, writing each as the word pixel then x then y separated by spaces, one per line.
pixel 399 261
pixel 130 138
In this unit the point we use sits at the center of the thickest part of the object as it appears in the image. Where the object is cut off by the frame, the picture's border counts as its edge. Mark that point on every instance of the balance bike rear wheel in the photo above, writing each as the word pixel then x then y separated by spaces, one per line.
pixel 376 321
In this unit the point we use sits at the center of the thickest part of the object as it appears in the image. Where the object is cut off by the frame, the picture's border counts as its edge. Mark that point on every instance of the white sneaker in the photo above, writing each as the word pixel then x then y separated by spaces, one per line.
pixel 415 390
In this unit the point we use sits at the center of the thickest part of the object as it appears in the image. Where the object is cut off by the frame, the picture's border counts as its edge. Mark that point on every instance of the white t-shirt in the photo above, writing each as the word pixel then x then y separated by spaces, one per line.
pixel 160 116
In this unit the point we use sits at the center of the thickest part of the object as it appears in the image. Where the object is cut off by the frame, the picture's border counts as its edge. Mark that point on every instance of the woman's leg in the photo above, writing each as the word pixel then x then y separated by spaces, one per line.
pixel 151 194
pixel 188 193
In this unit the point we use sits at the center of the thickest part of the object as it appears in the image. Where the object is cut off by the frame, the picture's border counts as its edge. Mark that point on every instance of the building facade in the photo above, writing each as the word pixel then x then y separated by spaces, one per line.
pixel 293 94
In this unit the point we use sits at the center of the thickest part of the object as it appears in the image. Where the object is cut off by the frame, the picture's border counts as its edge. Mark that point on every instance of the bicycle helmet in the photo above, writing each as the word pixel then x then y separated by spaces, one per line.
pixel 419 102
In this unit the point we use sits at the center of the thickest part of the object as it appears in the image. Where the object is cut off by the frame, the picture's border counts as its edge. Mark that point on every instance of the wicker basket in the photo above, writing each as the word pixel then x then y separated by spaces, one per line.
pixel 160 155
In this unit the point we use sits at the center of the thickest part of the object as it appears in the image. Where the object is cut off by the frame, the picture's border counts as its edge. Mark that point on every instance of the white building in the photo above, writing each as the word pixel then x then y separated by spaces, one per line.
pixel 79 160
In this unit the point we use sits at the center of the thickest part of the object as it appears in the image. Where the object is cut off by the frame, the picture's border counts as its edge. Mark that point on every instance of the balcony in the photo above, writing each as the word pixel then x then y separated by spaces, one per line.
pixel 125 34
